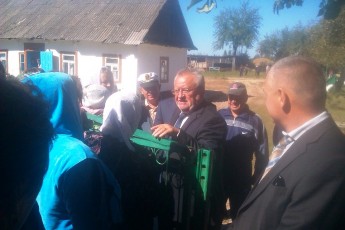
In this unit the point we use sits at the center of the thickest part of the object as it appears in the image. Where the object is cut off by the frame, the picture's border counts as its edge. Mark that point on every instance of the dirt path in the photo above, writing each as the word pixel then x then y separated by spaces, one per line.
pixel 217 89
pixel 216 92
pixel 254 88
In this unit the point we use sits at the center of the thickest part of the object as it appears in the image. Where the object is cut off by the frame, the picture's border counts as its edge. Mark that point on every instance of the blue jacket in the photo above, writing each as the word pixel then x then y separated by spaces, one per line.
pixel 78 191
pixel 246 135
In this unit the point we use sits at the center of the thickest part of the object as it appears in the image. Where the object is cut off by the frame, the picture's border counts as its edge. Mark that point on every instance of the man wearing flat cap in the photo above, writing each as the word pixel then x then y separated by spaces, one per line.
pixel 149 87
pixel 246 135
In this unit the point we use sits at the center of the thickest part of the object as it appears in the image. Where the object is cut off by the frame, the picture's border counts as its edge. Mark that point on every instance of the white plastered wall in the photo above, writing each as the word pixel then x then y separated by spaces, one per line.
pixel 134 59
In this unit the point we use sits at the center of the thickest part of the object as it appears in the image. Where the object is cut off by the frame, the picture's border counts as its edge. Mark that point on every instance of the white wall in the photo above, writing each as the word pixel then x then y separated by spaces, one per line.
pixel 134 59
pixel 149 56
pixel 13 47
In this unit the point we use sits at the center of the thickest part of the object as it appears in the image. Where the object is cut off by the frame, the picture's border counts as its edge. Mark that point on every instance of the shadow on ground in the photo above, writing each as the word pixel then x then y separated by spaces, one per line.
pixel 215 96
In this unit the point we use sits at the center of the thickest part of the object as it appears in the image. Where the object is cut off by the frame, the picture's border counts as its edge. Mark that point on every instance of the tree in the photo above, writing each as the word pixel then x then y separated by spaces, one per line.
pixel 285 42
pixel 329 9
pixel 327 42
pixel 236 27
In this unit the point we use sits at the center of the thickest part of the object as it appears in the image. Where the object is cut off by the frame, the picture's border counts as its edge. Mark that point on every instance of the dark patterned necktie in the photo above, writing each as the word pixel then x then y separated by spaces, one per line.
pixel 277 153
pixel 179 120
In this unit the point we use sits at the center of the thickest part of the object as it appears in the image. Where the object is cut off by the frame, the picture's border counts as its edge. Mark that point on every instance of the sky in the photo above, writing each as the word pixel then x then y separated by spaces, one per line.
pixel 201 25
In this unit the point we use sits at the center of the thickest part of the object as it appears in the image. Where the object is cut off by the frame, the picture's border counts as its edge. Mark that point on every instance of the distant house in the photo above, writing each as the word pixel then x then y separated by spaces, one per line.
pixel 207 62
pixel 80 36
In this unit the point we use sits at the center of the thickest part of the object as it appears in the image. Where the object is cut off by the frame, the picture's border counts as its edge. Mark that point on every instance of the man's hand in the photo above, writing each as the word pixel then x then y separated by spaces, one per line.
pixel 164 130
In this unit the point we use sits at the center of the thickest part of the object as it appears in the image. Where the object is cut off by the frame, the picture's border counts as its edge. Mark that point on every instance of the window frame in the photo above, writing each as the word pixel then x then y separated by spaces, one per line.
pixel 164 72
pixel 6 59
pixel 75 62
pixel 20 54
pixel 117 76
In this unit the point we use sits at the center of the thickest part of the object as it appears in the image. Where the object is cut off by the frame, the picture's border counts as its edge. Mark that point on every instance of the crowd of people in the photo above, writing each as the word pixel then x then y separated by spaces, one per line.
pixel 55 180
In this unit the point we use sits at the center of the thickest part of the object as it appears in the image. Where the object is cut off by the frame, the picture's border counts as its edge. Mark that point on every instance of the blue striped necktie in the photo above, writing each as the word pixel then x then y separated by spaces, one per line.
pixel 277 153
pixel 179 120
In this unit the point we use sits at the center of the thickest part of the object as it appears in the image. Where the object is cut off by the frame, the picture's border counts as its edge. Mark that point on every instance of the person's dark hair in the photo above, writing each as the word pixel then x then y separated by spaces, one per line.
pixel 77 82
pixel 25 138
pixel 110 77
pixel 2 71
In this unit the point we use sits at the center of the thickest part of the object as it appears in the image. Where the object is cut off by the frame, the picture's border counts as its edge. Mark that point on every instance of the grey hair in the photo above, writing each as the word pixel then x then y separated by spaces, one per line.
pixel 199 78
pixel 305 77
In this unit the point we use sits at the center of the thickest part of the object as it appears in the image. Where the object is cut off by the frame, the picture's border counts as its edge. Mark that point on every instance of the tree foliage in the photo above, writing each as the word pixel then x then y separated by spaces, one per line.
pixel 237 27
pixel 284 42
pixel 329 9
pixel 325 42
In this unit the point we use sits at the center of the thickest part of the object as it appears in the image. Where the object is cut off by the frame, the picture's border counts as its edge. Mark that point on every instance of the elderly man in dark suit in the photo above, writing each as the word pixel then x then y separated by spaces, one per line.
pixel 303 186
pixel 197 124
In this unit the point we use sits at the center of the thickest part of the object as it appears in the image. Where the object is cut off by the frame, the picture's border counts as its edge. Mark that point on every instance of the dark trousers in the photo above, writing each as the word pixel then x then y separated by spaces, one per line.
pixel 236 196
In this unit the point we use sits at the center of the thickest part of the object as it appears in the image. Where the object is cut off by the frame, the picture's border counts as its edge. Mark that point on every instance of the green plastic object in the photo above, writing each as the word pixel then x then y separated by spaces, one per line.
pixel 95 118
pixel 202 168
pixel 143 138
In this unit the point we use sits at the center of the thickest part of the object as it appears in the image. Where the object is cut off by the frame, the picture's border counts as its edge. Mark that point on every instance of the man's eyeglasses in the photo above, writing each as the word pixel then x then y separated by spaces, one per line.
pixel 183 91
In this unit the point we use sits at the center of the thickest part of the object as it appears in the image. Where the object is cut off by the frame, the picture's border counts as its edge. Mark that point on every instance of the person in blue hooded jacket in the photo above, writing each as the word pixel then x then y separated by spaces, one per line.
pixel 78 191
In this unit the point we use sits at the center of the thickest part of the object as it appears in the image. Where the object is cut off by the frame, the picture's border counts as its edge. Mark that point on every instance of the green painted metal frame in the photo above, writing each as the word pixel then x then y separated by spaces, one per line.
pixel 203 167
pixel 96 120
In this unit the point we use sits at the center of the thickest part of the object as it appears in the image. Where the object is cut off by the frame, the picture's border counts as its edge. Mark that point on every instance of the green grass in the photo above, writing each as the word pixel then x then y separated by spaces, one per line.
pixel 231 74
pixel 336 107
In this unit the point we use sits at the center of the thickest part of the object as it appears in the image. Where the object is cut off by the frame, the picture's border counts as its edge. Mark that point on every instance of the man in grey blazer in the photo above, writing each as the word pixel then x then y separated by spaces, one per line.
pixel 305 188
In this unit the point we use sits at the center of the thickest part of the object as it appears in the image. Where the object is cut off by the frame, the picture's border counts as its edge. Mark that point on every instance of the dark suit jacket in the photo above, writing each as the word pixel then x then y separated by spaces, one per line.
pixel 305 189
pixel 145 119
pixel 204 128
pixel 167 111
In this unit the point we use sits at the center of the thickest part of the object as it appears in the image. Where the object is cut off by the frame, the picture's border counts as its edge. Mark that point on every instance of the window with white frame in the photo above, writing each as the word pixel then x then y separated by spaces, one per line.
pixel 68 63
pixel 164 69
pixel 21 62
pixel 113 63
pixel 3 59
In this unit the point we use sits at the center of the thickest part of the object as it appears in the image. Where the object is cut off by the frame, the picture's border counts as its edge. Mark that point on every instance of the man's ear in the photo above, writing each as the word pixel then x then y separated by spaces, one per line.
pixel 284 100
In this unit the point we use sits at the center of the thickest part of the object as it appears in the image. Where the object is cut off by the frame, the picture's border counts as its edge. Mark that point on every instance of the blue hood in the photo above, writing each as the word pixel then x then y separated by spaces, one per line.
pixel 60 92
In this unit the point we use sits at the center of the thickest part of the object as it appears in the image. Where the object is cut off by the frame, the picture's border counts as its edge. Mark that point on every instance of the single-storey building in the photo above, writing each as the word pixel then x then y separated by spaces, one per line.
pixel 80 36
pixel 207 62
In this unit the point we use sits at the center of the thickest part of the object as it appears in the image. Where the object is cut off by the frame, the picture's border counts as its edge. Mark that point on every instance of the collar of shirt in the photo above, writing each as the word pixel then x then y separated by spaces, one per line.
pixel 150 106
pixel 152 110
pixel 299 131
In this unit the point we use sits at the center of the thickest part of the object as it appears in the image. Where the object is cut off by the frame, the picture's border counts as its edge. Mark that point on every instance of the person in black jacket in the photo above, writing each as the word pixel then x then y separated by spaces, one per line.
pixel 196 123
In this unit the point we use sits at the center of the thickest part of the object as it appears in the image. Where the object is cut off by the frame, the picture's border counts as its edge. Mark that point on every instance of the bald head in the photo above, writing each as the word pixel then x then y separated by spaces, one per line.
pixel 295 91
pixel 303 78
